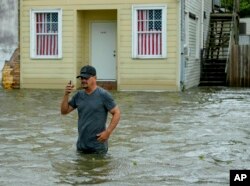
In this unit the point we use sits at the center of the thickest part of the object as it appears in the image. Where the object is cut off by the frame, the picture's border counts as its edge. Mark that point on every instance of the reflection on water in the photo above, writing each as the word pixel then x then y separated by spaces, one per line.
pixel 189 138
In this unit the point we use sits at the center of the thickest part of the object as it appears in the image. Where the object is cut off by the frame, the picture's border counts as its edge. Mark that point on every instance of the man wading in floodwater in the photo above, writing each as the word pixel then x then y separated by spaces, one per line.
pixel 93 104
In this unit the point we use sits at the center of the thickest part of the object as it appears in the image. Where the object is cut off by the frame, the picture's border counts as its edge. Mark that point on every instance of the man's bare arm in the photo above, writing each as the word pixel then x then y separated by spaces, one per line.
pixel 116 114
pixel 65 107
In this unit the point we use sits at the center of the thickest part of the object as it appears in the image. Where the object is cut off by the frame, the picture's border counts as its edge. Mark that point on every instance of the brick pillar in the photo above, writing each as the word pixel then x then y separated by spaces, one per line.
pixel 11 71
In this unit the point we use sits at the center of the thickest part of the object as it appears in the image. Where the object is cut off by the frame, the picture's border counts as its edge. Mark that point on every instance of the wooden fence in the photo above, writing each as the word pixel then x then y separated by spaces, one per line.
pixel 238 71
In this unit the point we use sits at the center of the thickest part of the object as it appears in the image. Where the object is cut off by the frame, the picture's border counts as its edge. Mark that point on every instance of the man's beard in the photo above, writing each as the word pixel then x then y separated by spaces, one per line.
pixel 84 86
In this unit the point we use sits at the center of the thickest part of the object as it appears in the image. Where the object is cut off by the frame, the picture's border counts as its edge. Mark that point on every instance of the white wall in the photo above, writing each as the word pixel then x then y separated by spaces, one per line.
pixel 247 21
pixel 206 21
pixel 195 36
pixel 8 30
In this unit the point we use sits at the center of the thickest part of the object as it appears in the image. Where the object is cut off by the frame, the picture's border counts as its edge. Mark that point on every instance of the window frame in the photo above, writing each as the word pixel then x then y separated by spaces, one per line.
pixel 135 9
pixel 33 46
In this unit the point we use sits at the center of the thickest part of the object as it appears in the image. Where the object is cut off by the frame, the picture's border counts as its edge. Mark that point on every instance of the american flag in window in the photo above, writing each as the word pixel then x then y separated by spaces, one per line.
pixel 149 32
pixel 46 34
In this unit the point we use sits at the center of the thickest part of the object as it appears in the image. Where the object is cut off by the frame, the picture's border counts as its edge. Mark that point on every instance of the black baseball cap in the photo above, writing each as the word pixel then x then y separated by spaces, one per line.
pixel 87 71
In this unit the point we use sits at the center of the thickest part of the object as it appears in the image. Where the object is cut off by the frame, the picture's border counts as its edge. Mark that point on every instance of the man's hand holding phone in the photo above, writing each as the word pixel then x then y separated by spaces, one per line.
pixel 69 88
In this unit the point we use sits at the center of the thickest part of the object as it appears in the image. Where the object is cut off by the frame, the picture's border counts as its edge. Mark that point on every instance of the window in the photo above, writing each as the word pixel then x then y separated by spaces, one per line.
pixel 149 31
pixel 46 34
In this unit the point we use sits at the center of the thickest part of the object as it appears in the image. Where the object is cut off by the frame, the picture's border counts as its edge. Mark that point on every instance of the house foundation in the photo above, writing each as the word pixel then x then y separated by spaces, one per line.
pixel 108 85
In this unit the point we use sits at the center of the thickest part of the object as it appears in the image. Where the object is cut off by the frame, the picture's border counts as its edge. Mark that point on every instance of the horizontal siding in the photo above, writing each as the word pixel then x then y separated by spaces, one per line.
pixel 47 73
pixel 76 45
pixel 131 84
pixel 80 38
pixel 208 10
pixel 78 3
pixel 192 67
pixel 134 73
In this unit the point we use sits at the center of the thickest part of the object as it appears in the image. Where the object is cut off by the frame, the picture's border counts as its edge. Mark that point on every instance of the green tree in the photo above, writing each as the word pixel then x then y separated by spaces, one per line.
pixel 244 6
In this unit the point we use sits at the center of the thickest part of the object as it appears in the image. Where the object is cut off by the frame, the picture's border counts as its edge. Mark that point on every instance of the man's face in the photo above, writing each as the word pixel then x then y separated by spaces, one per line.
pixel 87 82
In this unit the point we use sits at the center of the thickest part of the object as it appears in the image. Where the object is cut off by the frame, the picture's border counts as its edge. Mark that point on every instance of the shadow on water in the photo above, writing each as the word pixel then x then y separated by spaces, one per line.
pixel 164 138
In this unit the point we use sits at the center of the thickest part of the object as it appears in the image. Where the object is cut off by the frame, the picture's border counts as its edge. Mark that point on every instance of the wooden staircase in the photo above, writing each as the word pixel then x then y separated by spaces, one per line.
pixel 215 54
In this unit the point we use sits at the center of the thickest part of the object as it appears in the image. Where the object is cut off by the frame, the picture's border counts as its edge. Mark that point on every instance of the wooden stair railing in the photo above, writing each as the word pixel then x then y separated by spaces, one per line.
pixel 216 51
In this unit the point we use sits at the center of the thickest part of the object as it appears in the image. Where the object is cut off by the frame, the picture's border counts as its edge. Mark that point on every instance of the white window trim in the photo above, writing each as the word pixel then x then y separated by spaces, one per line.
pixel 33 33
pixel 134 30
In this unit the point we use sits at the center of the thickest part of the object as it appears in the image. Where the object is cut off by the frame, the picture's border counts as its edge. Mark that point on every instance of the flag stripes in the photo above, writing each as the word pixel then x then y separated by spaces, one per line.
pixel 46 35
pixel 149 34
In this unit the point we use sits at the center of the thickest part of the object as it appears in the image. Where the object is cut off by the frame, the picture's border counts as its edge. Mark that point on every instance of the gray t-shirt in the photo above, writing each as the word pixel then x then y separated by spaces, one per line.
pixel 92 117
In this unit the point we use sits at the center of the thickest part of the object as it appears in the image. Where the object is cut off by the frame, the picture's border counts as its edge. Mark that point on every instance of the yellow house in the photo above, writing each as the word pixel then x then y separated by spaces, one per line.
pixel 133 44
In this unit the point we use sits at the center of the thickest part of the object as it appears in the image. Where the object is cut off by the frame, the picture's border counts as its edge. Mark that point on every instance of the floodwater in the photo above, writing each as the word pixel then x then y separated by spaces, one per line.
pixel 164 138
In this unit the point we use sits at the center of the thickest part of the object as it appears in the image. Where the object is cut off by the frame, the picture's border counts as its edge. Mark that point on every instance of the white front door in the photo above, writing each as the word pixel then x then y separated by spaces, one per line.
pixel 103 50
